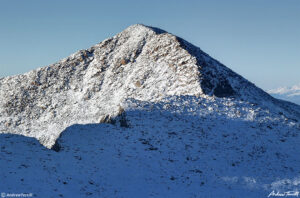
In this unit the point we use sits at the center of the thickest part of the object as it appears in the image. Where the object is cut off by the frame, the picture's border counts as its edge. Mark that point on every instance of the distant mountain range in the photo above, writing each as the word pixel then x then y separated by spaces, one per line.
pixel 287 93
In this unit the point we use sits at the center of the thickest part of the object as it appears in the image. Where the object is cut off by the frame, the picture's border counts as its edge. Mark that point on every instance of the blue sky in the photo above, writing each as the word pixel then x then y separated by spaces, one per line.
pixel 259 39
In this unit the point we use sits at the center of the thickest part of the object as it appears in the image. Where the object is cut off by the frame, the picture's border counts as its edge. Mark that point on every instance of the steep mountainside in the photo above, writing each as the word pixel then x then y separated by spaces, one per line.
pixel 141 62
pixel 175 123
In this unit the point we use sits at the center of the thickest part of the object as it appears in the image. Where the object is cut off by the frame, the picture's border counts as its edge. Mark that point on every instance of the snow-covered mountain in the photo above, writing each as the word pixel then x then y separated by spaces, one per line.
pixel 287 93
pixel 175 123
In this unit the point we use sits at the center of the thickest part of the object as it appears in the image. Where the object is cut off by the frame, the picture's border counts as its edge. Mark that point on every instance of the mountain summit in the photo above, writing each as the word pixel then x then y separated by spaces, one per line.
pixel 175 123
pixel 142 63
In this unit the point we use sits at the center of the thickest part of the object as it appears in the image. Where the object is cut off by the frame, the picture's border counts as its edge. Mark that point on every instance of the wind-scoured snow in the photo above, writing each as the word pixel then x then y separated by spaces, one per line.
pixel 190 147
pixel 174 123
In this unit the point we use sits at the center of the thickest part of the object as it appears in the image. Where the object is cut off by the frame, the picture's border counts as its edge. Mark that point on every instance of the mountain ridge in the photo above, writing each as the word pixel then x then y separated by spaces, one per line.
pixel 141 62
pixel 174 123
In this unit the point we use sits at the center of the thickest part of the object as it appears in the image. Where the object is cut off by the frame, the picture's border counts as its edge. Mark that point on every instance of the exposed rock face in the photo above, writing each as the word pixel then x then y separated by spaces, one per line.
pixel 90 86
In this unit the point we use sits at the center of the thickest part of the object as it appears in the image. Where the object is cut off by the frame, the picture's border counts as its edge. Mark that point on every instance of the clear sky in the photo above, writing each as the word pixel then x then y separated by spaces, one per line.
pixel 259 39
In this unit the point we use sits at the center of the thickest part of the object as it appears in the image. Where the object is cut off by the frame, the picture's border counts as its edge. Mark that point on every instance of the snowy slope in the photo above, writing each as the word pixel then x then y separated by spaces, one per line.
pixel 174 123
pixel 287 93
pixel 191 147
pixel 141 62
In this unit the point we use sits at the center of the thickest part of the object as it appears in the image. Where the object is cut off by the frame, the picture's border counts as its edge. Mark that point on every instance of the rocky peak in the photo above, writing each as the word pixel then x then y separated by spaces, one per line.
pixel 142 63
